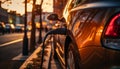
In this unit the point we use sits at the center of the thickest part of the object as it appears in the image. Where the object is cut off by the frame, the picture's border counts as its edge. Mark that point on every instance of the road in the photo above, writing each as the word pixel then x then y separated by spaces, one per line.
pixel 10 47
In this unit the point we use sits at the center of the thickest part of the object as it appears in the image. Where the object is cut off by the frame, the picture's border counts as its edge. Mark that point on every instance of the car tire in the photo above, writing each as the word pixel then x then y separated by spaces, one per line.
pixel 72 57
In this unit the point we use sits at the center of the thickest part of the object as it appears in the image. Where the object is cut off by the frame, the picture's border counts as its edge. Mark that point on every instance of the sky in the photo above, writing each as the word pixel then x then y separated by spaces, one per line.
pixel 18 6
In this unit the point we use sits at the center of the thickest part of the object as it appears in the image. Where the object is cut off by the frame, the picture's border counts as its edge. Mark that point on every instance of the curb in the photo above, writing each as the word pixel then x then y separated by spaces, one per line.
pixel 34 57
pixel 30 58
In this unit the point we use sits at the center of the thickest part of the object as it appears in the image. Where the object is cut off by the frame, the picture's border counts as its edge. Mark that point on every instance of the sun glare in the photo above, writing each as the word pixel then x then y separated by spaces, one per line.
pixel 18 6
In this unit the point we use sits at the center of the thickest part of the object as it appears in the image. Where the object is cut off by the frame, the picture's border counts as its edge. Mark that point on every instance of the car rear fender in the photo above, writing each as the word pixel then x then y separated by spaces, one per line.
pixel 70 39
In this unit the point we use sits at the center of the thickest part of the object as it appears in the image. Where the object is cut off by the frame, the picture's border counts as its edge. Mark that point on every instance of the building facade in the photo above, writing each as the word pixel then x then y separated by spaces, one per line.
pixel 3 15
pixel 12 17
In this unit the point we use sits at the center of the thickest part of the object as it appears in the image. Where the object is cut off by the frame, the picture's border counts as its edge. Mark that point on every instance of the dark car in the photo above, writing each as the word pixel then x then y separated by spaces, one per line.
pixel 19 28
pixel 92 37
pixel 10 28
pixel 2 28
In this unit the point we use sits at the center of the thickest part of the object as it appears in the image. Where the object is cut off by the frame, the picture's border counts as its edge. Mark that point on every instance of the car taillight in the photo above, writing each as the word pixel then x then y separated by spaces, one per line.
pixel 111 36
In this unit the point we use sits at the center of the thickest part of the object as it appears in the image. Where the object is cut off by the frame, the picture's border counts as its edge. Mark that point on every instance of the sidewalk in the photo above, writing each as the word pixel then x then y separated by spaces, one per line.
pixel 33 61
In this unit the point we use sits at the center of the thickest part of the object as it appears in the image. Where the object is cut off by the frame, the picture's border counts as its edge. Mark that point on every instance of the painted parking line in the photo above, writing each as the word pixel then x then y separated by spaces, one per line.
pixel 11 42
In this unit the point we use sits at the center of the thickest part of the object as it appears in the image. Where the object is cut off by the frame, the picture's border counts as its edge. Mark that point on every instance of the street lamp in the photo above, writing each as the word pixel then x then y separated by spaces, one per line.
pixel 25 38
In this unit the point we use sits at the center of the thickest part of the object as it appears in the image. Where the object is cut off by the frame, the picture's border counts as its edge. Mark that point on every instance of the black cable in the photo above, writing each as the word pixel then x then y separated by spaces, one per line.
pixel 61 31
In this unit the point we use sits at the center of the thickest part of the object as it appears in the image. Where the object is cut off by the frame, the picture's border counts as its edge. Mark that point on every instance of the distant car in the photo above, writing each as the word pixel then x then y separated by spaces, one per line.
pixel 2 27
pixel 19 28
pixel 51 25
pixel 44 25
pixel 10 28
pixel 29 27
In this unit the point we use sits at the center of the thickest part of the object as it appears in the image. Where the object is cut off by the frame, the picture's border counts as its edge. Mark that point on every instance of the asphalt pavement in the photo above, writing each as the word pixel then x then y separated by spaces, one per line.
pixel 11 64
pixel 11 51
pixel 20 60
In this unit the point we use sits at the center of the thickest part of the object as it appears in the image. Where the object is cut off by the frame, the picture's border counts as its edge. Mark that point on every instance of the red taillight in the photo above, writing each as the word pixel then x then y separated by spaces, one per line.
pixel 113 29
pixel 111 36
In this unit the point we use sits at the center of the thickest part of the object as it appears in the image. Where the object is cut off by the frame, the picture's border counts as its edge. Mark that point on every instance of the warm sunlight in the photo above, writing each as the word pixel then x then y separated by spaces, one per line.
pixel 18 6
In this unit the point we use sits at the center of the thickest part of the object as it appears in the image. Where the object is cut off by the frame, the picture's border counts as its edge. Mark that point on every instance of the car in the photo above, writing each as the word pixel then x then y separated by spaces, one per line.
pixel 91 38
pixel 2 27
pixel 9 28
pixel 19 28
pixel 29 27
pixel 44 25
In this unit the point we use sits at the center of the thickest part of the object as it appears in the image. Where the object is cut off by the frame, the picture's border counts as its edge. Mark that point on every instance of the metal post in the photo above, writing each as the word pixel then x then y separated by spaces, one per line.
pixel 25 38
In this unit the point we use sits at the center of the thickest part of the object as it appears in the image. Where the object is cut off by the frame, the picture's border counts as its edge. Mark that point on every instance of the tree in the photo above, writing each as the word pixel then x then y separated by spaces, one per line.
pixel 32 39
pixel 5 1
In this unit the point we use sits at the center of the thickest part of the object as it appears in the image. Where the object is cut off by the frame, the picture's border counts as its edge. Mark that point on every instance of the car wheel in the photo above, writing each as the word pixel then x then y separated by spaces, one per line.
pixel 72 58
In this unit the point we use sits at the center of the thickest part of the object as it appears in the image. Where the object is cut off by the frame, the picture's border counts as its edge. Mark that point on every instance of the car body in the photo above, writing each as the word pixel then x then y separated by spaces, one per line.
pixel 9 28
pixel 92 36
pixel 2 27
pixel 19 28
